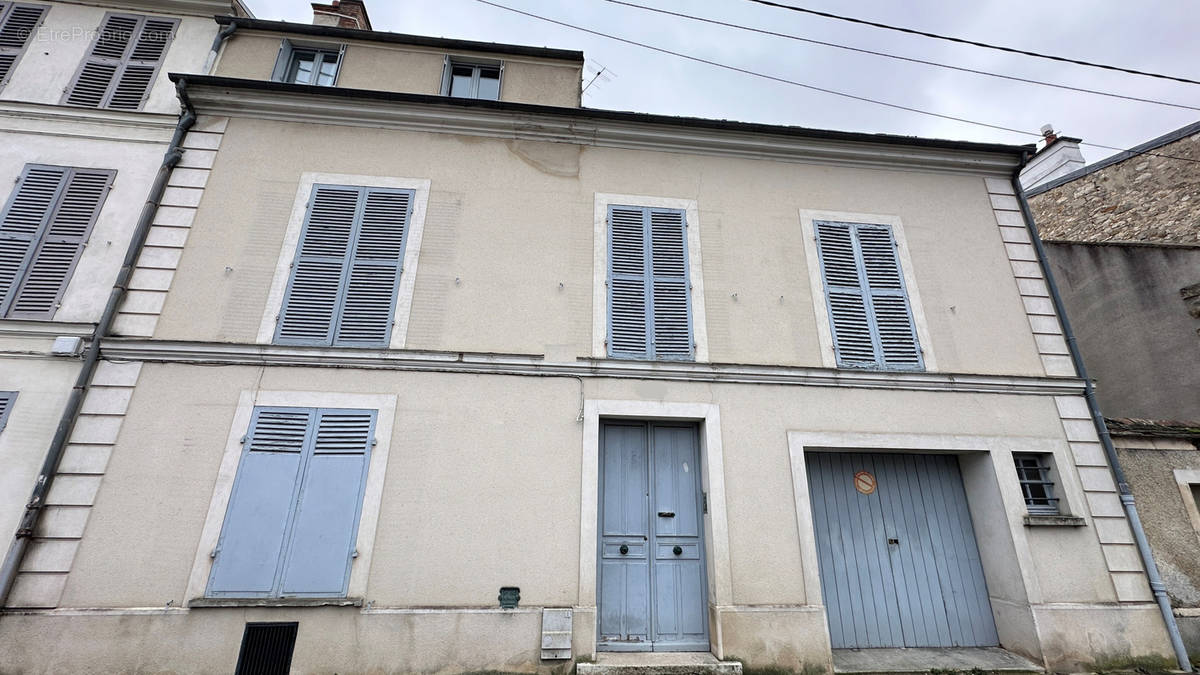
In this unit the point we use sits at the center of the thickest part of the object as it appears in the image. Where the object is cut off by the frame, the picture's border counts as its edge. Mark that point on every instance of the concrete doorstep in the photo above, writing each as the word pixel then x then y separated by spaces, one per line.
pixel 923 660
pixel 657 663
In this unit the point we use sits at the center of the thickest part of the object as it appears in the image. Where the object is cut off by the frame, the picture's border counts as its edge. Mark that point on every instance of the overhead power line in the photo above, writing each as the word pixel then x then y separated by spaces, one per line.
pixel 973 43
pixel 901 58
pixel 784 80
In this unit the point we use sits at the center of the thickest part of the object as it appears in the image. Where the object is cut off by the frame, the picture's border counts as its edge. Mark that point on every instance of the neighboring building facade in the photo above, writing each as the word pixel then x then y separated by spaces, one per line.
pixel 1125 249
pixel 86 113
pixel 422 340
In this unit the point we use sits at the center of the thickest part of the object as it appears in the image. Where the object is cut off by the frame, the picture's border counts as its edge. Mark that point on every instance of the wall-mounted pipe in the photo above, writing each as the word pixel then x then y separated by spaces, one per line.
pixel 222 35
pixel 91 356
pixel 1089 393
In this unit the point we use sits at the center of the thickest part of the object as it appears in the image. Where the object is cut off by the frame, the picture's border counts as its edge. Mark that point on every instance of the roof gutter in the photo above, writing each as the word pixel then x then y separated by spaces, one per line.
pixel 91 357
pixel 1089 393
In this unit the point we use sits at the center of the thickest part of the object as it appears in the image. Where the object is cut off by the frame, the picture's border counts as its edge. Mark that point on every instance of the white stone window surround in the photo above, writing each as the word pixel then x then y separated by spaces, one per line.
pixel 691 210
pixel 1187 478
pixel 372 492
pixel 817 282
pixel 999 448
pixel 412 247
pixel 716 532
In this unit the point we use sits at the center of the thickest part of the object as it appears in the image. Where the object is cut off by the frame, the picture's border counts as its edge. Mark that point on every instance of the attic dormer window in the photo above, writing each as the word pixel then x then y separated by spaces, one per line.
pixel 472 79
pixel 308 64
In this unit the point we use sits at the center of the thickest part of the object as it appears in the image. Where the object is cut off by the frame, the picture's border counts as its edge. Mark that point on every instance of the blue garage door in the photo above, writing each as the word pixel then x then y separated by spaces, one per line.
pixel 898 561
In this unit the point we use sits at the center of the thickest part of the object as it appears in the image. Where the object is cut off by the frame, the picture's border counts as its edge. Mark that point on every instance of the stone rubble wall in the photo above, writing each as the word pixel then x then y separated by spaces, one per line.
pixel 1146 198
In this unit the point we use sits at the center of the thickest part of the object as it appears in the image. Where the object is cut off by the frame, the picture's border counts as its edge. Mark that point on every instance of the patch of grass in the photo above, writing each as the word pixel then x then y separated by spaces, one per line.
pixel 1124 663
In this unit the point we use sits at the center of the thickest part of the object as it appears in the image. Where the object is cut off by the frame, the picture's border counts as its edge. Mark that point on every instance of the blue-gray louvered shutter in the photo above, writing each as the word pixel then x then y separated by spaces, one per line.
pixel 649 299
pixel 348 263
pixel 17 24
pixel 670 300
pixel 314 291
pixel 120 67
pixel 254 532
pixel 43 230
pixel 864 290
pixel 375 264
pixel 894 329
pixel 325 526
pixel 7 398
pixel 628 320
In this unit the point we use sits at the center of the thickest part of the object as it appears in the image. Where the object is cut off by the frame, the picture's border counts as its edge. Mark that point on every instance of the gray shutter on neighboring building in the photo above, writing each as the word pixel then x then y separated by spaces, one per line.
pixel 18 22
pixel 342 289
pixel 649 299
pixel 867 302
pixel 120 67
pixel 43 230
pixel 292 519
pixel 325 526
pixel 7 399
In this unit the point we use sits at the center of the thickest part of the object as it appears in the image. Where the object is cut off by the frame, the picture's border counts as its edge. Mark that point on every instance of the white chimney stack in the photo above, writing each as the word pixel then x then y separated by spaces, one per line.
pixel 1058 157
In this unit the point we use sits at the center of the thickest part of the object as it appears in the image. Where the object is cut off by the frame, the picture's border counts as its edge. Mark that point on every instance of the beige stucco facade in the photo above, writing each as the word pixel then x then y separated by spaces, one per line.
pixel 407 68
pixel 494 387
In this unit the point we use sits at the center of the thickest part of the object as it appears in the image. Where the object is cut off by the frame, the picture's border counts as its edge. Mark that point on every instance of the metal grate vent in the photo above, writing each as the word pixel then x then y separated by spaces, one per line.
pixel 267 649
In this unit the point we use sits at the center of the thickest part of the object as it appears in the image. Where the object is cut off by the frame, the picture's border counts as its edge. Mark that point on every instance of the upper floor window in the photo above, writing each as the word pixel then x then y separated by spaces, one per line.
pixel 1033 472
pixel 292 518
pixel 43 229
pixel 869 311
pixel 18 22
pixel 649 295
pixel 308 64
pixel 119 69
pixel 472 79
pixel 343 282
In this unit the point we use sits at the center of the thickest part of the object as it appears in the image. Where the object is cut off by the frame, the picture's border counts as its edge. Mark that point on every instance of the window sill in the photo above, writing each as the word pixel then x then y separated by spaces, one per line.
pixel 1046 520
pixel 203 603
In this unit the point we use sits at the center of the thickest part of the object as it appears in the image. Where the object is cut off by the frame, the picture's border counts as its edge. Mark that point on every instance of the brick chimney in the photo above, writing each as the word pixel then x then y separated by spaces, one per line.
pixel 342 14
pixel 1058 157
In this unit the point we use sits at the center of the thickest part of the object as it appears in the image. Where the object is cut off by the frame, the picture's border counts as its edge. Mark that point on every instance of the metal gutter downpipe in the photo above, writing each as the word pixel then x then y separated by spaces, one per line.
pixel 222 35
pixel 1089 393
pixel 33 509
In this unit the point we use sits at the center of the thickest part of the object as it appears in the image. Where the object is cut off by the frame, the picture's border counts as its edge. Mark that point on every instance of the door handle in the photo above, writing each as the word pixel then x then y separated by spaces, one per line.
pixel 624 549
pixel 666 514
pixel 678 550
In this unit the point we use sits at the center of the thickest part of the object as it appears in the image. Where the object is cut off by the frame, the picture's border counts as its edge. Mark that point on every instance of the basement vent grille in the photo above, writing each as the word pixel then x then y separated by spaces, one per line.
pixel 267 649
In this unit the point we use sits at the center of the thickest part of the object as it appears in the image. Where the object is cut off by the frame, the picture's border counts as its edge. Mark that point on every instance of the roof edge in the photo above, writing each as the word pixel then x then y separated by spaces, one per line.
pixel 1125 244
pixel 1017 151
pixel 401 38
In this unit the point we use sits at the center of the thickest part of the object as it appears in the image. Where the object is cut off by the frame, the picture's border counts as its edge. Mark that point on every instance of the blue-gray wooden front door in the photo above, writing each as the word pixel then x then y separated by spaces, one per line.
pixel 651 583
pixel 896 551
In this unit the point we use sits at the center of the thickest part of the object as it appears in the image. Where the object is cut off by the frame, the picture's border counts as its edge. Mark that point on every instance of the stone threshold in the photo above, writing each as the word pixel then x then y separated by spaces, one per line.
pixel 926 659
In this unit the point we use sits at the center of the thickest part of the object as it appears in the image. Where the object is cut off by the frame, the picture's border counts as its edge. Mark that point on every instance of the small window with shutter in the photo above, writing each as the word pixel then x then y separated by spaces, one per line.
pixel 649 293
pixel 292 519
pixel 868 304
pixel 119 69
pixel 18 23
pixel 43 229
pixel 7 398
pixel 316 64
pixel 342 287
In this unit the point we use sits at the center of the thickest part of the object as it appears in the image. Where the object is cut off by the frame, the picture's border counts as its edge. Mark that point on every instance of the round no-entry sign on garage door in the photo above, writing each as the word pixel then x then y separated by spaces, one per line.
pixel 864 482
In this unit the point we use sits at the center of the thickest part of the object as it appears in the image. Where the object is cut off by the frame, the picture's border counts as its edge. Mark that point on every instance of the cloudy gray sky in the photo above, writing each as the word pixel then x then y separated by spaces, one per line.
pixel 1151 35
